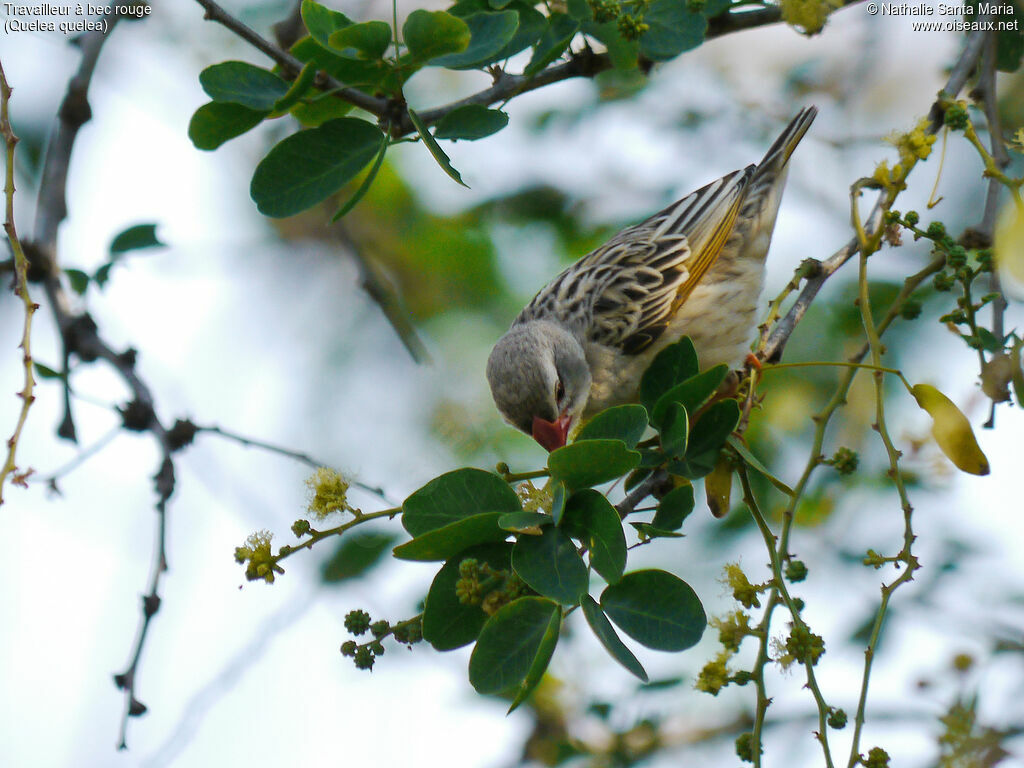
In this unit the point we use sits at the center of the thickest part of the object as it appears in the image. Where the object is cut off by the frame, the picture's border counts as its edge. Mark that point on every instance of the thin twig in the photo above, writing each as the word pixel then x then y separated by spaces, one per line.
pixel 985 94
pixel 288 63
pixel 10 466
pixel 305 458
pixel 771 346
pixel 80 337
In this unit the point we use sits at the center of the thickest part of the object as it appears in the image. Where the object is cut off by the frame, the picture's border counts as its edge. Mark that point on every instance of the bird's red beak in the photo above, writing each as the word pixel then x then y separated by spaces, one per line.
pixel 551 434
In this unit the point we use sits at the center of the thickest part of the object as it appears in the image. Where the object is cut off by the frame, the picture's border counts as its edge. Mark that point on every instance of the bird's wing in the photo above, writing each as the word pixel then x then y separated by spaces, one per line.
pixel 625 293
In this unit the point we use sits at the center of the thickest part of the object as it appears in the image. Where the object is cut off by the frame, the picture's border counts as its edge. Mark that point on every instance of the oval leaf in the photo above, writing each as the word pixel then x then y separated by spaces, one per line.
pixel 609 638
pixel 215 123
pixel 675 430
pixel 751 461
pixel 556 38
pixel 355 555
pixel 550 564
pixel 238 82
pixel 471 122
pixel 672 29
pixel 368 40
pixel 448 623
pixel 134 238
pixel 692 393
pixel 657 609
pixel 673 508
pixel 454 496
pixel 718 486
pixel 713 428
pixel 322 21
pixel 591 518
pixel 591 462
pixel 429 34
pixel 541 659
pixel 674 364
pixel 524 522
pixel 489 34
pixel 510 643
pixel 623 422
pixel 442 543
pixel 310 166
pixel 951 430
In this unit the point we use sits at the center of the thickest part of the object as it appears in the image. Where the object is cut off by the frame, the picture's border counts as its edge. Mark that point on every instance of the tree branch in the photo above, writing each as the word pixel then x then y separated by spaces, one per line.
pixel 291 65
pixel 80 336
pixel 774 341
pixel 10 466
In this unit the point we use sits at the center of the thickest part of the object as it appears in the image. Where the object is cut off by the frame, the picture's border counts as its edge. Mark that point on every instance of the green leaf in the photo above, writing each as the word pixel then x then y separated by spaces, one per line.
pixel 512 642
pixel 713 428
pixel 368 40
pixel 623 53
pixel 591 462
pixel 609 638
pixel 532 24
pixel 623 422
pixel 316 112
pixel 78 279
pixel 674 364
pixel 442 543
pixel 353 201
pixel 550 564
pixel 471 122
pixel 751 461
pixel 489 34
pixel 540 661
pixel 657 609
pixel 46 372
pixel 591 518
pixel 430 34
pixel 1009 48
pixel 524 522
pixel 673 508
pixel 435 150
pixel 648 531
pixel 692 393
pixel 310 166
pixel 672 30
pixel 355 555
pixel 675 430
pixel 102 274
pixel 448 623
pixel 556 38
pixel 299 88
pixel 559 495
pixel 215 123
pixel 354 72
pixel 988 340
pixel 454 496
pixel 135 238
pixel 238 82
pixel 321 21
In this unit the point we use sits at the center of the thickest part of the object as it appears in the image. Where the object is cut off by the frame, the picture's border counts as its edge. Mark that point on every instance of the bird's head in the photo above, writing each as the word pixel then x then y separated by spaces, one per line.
pixel 540 380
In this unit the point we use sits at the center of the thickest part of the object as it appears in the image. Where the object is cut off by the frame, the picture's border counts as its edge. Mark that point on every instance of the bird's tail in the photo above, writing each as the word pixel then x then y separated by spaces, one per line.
pixel 779 153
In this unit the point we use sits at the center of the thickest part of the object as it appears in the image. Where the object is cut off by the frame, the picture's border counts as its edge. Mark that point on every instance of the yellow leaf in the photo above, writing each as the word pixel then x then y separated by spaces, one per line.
pixel 951 430
pixel 1017 376
pixel 718 486
pixel 1009 247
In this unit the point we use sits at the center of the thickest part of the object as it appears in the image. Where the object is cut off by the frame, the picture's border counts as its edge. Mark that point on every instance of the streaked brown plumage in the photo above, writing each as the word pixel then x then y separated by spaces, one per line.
pixel 695 269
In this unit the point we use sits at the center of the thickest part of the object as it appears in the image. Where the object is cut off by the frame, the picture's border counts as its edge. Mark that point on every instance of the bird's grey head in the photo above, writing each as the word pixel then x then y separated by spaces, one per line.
pixel 540 380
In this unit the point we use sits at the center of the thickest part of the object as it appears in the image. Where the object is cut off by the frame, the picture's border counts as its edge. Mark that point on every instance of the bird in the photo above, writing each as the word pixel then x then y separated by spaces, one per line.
pixel 694 269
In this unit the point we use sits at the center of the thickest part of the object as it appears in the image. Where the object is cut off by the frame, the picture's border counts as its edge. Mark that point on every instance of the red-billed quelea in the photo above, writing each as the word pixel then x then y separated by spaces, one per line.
pixel 696 269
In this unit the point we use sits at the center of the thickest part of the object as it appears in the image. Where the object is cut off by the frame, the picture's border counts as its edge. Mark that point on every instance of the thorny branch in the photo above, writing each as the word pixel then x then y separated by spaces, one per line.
pixel 774 340
pixel 80 337
pixel 10 467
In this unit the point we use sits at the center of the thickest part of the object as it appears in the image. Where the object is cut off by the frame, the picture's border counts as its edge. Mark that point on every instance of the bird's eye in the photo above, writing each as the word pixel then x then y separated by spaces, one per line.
pixel 559 391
